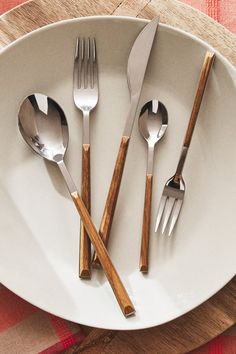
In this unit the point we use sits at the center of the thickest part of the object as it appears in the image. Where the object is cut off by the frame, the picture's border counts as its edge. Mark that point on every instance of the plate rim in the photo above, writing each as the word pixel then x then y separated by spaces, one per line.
pixel 114 17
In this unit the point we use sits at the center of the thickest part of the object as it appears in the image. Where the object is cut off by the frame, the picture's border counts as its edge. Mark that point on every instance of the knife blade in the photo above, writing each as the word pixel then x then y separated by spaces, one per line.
pixel 136 68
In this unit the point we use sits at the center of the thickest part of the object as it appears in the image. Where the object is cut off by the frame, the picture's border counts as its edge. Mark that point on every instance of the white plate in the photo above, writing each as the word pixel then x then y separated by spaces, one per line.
pixel 39 226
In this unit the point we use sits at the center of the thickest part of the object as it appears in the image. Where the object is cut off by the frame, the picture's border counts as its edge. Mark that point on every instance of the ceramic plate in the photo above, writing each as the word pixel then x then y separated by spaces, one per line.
pixel 39 226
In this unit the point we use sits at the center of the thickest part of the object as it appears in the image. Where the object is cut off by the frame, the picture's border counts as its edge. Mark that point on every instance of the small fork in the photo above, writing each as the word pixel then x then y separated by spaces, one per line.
pixel 85 92
pixel 173 193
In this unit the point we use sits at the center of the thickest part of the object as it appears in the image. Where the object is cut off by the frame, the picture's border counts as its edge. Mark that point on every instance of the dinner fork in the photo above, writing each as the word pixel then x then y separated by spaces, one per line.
pixel 173 193
pixel 85 93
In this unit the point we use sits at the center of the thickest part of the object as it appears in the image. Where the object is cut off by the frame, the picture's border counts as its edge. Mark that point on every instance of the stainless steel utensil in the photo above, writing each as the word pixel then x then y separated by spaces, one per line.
pixel 173 193
pixel 153 122
pixel 137 64
pixel 85 92
pixel 43 126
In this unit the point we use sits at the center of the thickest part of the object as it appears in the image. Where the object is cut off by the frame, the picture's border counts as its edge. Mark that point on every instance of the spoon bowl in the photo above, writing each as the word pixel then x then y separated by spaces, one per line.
pixel 44 127
pixel 153 121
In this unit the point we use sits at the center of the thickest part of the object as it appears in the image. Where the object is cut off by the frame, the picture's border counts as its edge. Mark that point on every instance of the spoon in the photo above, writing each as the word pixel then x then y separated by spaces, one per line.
pixel 43 126
pixel 153 121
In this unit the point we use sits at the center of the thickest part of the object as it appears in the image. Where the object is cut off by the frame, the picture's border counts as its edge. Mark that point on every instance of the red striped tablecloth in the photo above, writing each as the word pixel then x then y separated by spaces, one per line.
pixel 25 329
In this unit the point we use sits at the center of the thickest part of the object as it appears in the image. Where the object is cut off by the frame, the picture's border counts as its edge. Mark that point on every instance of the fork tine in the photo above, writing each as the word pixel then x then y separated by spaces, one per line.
pixel 93 53
pixel 81 49
pixel 81 60
pixel 77 48
pixel 160 211
pixel 76 64
pixel 175 215
pixel 168 209
pixel 91 62
pixel 95 68
pixel 79 56
pixel 86 62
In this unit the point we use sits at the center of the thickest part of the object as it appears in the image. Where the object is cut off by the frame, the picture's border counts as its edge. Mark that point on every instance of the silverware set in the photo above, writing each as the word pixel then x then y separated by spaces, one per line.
pixel 44 127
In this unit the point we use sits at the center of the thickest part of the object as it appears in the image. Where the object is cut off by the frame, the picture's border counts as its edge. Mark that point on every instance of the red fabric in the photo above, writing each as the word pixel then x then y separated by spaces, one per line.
pixel 59 347
pixel 6 5
pixel 15 311
pixel 223 11
pixel 18 319
pixel 62 330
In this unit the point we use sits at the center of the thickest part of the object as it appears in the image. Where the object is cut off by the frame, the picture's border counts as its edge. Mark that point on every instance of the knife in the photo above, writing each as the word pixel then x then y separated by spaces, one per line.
pixel 137 64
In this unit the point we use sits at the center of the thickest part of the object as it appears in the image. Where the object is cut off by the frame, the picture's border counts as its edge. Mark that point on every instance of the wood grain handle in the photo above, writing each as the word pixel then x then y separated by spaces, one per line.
pixel 108 267
pixel 207 64
pixel 143 262
pixel 110 206
pixel 85 244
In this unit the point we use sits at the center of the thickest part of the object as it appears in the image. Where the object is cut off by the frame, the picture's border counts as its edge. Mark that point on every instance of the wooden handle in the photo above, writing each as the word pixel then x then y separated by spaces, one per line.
pixel 207 64
pixel 143 263
pixel 110 206
pixel 109 269
pixel 85 244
